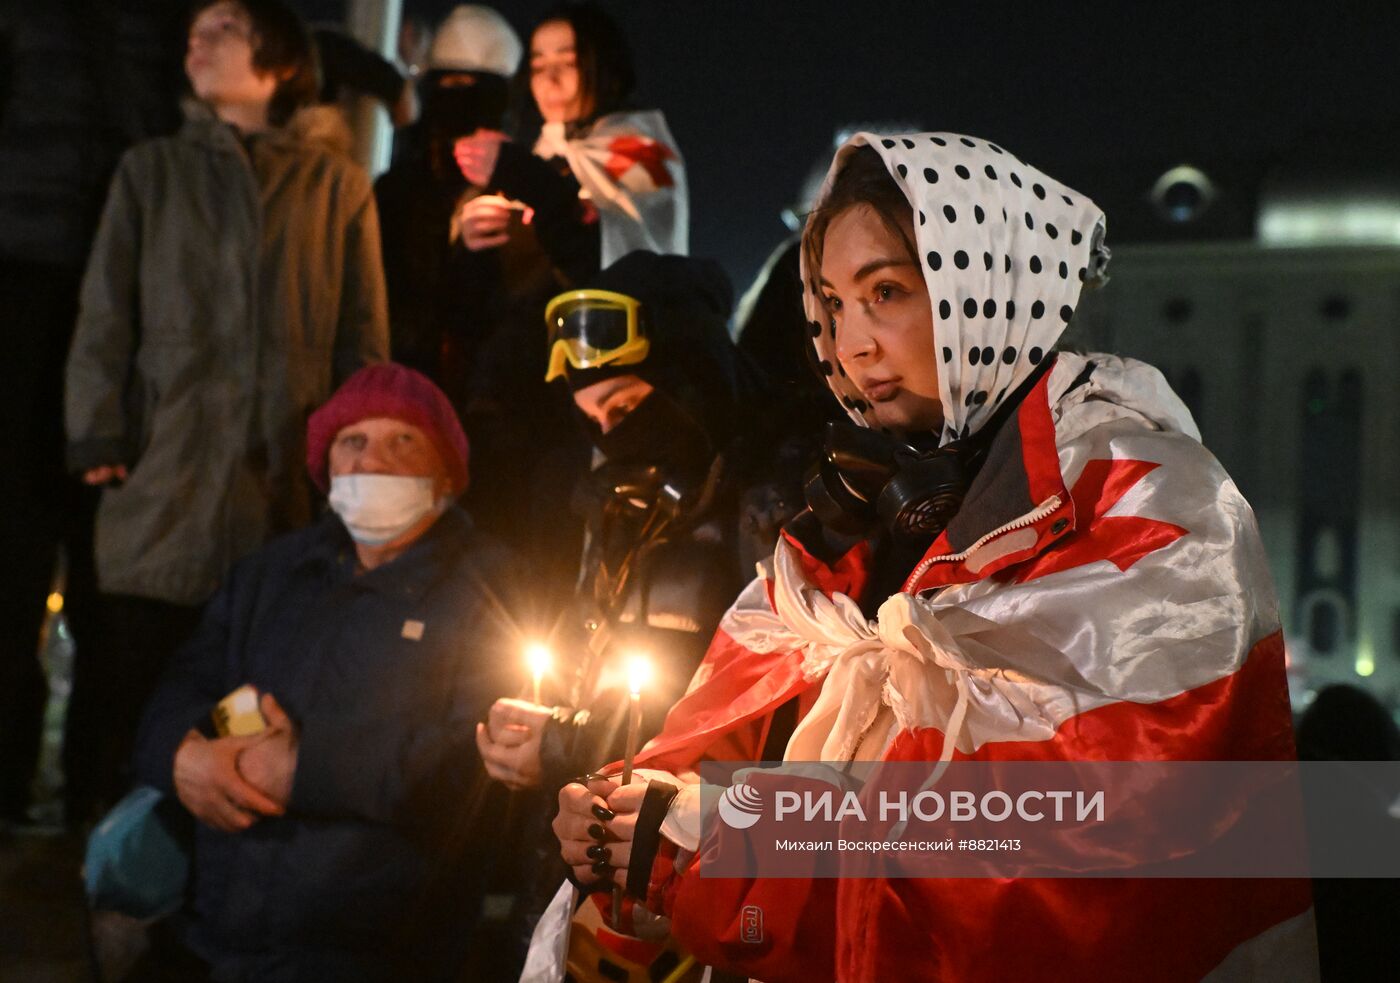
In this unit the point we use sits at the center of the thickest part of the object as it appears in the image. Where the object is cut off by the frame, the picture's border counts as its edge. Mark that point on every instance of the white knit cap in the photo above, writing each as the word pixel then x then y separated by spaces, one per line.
pixel 473 38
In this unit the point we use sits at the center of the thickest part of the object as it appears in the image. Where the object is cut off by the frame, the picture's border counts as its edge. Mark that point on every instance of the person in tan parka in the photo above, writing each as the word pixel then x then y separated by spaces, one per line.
pixel 235 281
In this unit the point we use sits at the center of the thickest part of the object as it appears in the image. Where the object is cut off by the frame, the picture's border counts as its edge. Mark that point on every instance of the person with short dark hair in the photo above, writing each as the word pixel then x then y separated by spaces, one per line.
pixel 597 165
pixel 282 49
pixel 235 278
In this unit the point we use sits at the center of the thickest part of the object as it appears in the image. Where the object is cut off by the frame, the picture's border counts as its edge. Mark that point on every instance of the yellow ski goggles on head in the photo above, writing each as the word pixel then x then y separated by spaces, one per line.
pixel 589 328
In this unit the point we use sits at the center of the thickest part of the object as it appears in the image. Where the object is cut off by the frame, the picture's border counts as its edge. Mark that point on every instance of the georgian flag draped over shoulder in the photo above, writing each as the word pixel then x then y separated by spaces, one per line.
pixel 628 166
pixel 1126 614
pixel 638 163
pixel 1163 588
pixel 1123 611
pixel 1150 633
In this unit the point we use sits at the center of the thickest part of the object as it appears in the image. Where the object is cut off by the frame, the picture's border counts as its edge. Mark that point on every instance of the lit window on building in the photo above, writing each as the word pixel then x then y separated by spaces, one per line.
pixel 1328 517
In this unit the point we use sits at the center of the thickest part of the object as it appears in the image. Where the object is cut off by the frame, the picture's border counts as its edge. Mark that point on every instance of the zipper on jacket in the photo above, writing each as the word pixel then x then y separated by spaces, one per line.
pixel 1029 519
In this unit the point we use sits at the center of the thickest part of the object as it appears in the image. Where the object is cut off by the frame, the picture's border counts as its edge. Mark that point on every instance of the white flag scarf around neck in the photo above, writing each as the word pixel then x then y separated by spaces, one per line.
pixel 635 210
pixel 869 663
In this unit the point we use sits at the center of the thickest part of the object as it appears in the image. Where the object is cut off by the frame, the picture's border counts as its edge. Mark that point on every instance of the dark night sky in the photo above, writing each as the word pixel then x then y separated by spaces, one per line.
pixel 754 89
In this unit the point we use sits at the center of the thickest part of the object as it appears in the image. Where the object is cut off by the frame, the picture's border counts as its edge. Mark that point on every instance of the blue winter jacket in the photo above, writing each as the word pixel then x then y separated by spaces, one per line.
pixel 375 871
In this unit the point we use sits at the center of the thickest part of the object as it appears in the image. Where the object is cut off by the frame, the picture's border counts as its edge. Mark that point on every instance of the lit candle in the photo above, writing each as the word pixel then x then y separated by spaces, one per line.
pixel 638 672
pixel 538 658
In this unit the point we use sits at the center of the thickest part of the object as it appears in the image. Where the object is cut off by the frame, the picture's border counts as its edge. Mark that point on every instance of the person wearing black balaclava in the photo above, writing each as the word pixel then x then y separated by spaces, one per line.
pixel 426 267
pixel 666 401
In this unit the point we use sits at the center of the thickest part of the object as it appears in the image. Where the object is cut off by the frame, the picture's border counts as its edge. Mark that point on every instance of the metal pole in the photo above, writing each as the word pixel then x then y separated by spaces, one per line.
pixel 375 24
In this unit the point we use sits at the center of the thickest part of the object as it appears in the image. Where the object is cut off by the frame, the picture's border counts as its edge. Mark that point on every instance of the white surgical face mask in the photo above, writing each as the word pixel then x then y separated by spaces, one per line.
pixel 379 508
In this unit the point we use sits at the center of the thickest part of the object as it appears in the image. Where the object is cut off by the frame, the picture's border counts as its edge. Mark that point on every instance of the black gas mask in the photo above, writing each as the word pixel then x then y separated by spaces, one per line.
pixel 651 487
pixel 863 480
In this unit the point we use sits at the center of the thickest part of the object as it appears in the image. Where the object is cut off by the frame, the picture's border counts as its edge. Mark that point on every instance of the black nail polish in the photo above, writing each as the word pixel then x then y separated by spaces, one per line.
pixel 601 867
pixel 602 813
pixel 599 852
pixel 597 832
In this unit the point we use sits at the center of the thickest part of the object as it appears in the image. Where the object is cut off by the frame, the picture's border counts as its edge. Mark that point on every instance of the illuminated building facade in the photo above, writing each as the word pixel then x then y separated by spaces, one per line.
pixel 1286 348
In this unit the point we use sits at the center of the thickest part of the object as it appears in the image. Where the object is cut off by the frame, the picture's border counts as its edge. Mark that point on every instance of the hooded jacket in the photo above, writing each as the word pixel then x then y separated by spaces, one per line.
pixel 685 308
pixel 1102 594
pixel 233 284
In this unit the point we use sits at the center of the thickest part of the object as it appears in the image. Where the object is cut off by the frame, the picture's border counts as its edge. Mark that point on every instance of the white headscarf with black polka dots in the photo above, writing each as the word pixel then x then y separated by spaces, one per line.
pixel 1005 251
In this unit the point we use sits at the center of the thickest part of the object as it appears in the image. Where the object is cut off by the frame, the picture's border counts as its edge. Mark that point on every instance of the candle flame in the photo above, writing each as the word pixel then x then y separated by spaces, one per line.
pixel 638 673
pixel 539 658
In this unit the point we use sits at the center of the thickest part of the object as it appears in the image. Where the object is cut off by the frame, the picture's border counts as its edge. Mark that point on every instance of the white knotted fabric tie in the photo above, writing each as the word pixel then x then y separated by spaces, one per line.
pixel 888 661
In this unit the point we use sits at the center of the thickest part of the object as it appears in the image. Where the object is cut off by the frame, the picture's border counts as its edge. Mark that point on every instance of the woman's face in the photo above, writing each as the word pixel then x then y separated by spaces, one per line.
pixel 875 293
pixel 219 59
pixel 554 79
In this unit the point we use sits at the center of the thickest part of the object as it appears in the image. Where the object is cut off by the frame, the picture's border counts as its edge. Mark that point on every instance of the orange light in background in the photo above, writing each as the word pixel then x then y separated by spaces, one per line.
pixel 55 602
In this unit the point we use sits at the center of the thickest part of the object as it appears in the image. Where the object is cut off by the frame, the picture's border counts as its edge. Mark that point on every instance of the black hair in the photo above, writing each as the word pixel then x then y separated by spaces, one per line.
pixel 1345 723
pixel 282 45
pixel 605 74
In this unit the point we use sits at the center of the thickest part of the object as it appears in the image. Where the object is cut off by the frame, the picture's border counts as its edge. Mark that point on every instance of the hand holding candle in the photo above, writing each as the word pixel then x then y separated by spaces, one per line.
pixel 595 824
pixel 509 742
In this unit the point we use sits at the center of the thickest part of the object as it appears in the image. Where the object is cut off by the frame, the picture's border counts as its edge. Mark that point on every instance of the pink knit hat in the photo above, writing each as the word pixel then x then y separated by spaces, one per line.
pixel 388 390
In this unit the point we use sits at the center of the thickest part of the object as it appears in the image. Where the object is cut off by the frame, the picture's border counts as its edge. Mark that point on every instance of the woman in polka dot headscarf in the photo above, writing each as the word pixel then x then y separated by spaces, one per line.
pixel 990 262
pixel 1100 594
